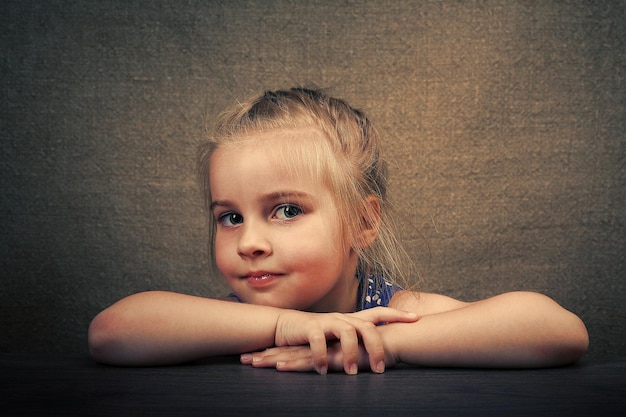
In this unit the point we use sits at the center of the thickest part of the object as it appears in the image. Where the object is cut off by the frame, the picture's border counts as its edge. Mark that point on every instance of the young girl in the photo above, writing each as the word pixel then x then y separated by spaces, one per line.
pixel 301 231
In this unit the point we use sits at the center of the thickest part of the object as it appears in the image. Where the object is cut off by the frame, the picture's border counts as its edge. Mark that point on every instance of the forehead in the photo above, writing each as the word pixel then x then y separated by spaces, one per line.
pixel 294 155
pixel 302 150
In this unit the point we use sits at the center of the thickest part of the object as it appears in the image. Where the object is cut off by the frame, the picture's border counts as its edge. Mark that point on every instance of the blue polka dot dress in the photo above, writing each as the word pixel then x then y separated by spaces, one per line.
pixel 374 291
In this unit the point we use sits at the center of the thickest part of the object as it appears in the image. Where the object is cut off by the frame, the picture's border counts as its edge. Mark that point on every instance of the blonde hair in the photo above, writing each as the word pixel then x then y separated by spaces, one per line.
pixel 349 162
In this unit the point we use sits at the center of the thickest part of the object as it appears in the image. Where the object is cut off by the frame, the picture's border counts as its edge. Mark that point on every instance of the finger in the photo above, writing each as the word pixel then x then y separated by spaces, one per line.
pixel 270 357
pixel 303 364
pixel 386 314
pixel 317 344
pixel 248 358
pixel 373 344
pixel 350 349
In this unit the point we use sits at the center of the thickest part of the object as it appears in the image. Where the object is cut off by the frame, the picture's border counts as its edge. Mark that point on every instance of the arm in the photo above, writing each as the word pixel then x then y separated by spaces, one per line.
pixel 518 329
pixel 513 330
pixel 156 328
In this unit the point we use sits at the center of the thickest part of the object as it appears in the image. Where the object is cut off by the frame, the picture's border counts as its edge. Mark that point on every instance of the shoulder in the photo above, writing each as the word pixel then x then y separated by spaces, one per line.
pixel 424 303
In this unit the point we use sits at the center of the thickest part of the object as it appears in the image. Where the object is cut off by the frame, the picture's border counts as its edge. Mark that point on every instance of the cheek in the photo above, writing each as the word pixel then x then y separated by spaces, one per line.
pixel 222 258
pixel 323 249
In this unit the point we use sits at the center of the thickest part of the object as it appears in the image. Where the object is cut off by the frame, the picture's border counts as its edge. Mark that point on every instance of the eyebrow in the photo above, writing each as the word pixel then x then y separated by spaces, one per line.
pixel 219 203
pixel 279 195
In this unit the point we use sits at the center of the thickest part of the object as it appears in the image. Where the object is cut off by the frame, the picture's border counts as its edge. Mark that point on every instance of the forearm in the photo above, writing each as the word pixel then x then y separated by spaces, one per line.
pixel 511 330
pixel 156 328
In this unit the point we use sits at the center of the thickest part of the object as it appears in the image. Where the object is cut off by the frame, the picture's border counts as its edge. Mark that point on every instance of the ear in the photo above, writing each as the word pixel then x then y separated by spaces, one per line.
pixel 369 221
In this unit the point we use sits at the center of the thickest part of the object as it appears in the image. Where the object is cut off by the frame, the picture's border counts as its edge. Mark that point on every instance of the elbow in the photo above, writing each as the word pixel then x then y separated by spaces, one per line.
pixel 569 344
pixel 563 339
pixel 104 339
pixel 99 338
pixel 577 342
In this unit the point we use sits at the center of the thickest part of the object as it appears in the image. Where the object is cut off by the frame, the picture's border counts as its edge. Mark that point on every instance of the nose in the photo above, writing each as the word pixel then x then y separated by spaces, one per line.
pixel 253 241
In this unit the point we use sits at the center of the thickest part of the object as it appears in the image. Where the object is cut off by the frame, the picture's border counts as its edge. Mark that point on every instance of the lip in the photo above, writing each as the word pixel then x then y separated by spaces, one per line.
pixel 261 278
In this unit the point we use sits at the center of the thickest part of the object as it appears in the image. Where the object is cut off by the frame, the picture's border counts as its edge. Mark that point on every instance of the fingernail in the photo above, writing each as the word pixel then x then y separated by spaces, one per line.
pixel 354 369
pixel 246 357
pixel 323 370
pixel 412 314
pixel 380 368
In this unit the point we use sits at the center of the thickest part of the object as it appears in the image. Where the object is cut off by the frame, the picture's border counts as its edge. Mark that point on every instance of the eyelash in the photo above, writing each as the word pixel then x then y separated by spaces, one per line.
pixel 223 218
pixel 285 207
pixel 236 218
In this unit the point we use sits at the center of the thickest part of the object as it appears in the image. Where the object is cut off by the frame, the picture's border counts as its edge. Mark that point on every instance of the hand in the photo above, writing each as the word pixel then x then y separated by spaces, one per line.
pixel 302 339
pixel 300 358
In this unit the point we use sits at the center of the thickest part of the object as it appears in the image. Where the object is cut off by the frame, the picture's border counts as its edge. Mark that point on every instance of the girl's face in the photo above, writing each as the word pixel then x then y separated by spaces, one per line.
pixel 279 240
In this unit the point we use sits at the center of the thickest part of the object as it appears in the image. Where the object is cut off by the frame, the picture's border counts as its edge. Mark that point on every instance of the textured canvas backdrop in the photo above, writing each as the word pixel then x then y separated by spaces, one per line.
pixel 504 123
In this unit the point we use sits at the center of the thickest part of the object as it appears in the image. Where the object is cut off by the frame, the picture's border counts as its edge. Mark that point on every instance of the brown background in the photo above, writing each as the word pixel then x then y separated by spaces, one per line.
pixel 504 122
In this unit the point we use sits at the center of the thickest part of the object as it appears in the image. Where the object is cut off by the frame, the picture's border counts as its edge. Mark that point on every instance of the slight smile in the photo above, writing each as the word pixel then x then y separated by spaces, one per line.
pixel 261 279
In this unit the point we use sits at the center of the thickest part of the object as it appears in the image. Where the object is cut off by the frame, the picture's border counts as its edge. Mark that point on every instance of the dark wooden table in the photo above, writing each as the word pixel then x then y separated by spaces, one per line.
pixel 40 385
